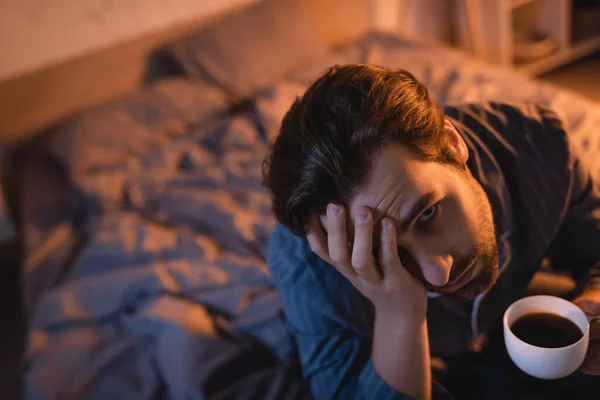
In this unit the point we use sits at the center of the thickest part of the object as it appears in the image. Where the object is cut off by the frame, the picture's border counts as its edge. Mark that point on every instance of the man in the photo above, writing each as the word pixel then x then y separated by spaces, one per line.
pixel 406 231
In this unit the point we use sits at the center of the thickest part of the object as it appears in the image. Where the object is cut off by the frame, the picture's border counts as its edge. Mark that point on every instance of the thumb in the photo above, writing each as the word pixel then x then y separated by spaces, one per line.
pixel 589 306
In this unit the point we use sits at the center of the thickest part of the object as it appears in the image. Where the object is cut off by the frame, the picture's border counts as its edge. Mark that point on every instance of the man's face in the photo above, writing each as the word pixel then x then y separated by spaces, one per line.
pixel 444 223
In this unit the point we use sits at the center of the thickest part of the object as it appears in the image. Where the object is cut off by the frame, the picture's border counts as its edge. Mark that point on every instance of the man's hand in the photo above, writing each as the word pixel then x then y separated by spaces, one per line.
pixel 589 302
pixel 391 288
pixel 400 350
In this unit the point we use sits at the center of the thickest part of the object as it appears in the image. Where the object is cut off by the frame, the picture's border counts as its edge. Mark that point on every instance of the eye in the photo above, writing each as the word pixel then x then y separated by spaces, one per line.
pixel 428 214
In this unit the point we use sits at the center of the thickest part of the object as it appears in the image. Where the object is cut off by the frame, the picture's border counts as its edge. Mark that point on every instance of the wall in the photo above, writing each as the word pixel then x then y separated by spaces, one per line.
pixel 70 55
pixel 38 33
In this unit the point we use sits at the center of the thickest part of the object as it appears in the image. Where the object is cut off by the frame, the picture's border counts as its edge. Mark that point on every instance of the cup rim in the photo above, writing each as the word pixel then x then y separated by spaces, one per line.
pixel 550 349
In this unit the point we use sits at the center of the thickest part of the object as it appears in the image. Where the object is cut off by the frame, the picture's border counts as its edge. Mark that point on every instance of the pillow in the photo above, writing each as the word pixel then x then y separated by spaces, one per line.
pixel 248 50
pixel 109 135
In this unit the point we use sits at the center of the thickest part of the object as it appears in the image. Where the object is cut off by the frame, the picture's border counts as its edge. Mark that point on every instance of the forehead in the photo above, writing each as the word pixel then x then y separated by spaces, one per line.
pixel 397 177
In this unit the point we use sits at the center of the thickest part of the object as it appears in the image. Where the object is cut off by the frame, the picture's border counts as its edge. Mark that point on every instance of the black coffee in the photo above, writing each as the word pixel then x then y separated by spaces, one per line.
pixel 546 330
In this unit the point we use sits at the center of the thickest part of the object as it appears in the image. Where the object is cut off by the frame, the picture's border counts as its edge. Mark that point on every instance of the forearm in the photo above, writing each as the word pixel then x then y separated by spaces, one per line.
pixel 400 355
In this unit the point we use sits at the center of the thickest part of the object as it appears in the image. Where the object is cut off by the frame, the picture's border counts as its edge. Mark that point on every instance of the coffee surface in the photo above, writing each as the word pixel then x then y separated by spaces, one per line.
pixel 546 330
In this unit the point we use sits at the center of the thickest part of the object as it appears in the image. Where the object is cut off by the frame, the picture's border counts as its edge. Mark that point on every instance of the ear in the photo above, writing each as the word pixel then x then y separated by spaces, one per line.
pixel 456 142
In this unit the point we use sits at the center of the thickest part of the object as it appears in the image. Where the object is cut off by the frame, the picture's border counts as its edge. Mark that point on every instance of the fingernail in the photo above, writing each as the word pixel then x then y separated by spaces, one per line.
pixel 386 225
pixel 362 216
pixel 333 210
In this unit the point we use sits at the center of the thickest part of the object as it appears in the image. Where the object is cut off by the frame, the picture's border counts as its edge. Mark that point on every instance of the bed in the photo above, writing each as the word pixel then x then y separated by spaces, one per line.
pixel 146 224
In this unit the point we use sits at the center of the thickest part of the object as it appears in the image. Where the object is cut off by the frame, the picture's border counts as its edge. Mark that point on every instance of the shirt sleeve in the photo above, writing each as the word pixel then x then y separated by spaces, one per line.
pixel 335 358
pixel 577 244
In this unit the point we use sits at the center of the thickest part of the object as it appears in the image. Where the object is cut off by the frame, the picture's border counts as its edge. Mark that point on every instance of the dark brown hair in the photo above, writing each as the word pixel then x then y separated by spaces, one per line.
pixel 329 136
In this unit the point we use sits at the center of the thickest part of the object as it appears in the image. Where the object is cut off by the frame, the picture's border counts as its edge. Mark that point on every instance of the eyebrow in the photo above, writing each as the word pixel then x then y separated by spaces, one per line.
pixel 417 208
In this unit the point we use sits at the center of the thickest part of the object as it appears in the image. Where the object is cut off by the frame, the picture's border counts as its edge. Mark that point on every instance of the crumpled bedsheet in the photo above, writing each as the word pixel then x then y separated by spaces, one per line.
pixel 160 290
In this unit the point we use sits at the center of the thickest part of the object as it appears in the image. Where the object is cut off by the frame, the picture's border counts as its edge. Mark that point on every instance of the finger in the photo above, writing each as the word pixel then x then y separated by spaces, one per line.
pixel 316 238
pixel 337 239
pixel 590 370
pixel 595 329
pixel 591 364
pixel 589 306
pixel 388 252
pixel 323 220
pixel 363 261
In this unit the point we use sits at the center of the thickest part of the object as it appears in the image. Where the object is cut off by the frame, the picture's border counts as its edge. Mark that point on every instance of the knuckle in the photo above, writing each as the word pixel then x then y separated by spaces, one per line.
pixel 386 257
pixel 385 263
pixel 385 260
pixel 336 231
pixel 360 267
pixel 333 226
pixel 339 258
pixel 362 225
pixel 312 236
pixel 388 240
pixel 388 234
pixel 363 229
pixel 318 251
pixel 315 246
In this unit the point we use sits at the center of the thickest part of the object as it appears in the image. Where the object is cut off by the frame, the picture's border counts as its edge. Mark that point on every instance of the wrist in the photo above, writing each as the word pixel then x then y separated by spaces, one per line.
pixel 400 322
pixel 414 313
pixel 400 353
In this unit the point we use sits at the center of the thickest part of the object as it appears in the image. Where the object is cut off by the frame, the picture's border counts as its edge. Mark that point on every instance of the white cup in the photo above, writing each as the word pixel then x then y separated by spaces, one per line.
pixel 541 362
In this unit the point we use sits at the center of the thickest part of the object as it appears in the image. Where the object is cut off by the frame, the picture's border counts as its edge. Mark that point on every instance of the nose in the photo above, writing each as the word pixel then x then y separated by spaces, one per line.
pixel 435 268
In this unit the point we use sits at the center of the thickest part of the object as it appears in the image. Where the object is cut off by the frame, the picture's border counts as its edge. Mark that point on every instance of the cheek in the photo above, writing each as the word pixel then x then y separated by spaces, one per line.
pixel 466 224
pixel 482 221
pixel 470 232
pixel 458 228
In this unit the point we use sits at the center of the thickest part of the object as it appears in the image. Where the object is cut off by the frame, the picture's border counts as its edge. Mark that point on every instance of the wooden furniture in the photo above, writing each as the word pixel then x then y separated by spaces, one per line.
pixel 488 28
pixel 492 27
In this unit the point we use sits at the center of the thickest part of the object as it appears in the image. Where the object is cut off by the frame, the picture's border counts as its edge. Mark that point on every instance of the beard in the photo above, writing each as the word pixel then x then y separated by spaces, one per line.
pixel 481 283
pixel 483 256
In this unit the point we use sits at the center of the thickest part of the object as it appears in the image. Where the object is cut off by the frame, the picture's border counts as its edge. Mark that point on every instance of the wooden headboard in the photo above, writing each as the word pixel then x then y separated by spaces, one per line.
pixel 35 100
